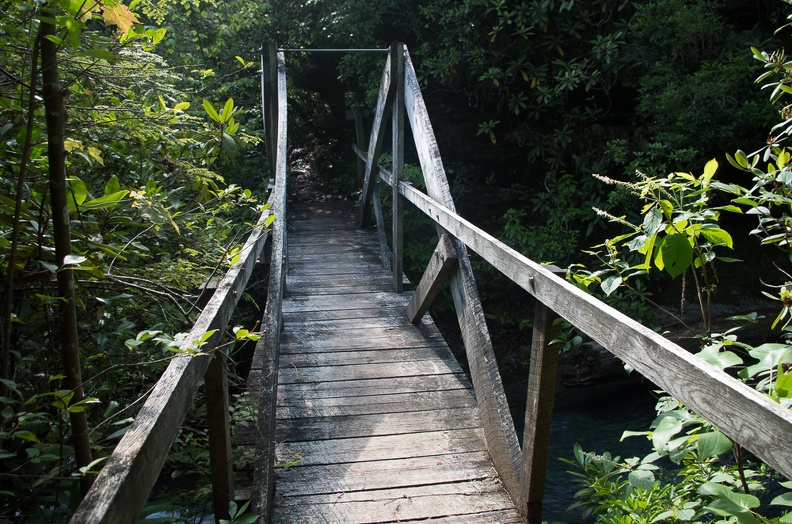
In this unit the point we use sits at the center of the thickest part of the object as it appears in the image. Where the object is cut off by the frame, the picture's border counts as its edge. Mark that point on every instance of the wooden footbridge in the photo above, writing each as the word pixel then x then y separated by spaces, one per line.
pixel 363 415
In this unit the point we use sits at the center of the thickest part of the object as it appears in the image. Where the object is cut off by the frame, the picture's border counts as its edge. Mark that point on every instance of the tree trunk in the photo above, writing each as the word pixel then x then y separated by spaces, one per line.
pixel 59 191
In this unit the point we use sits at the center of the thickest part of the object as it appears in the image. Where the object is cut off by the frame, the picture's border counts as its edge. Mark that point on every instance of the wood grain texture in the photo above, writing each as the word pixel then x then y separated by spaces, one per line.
pixel 367 402
pixel 542 373
pixel 443 261
pixel 384 101
pixel 764 427
pixel 493 407
pixel 266 353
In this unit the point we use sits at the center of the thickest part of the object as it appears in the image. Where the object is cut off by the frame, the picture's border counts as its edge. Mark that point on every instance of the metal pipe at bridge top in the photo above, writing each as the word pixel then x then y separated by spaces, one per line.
pixel 386 50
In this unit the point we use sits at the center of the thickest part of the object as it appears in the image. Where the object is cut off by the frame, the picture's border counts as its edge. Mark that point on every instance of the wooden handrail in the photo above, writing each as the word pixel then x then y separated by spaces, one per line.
pixel 739 411
pixel 268 347
pixel 121 489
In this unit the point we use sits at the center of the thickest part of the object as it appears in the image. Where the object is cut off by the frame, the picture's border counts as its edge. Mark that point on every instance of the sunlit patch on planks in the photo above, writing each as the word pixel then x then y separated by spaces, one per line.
pixel 376 422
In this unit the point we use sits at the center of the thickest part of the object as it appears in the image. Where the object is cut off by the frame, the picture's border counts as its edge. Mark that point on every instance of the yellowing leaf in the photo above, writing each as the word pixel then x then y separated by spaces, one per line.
pixel 96 154
pixel 120 16
pixel 709 170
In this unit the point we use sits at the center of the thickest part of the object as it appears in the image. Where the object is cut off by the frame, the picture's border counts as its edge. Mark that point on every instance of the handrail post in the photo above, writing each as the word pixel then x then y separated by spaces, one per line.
pixel 542 375
pixel 397 75
pixel 360 134
pixel 269 101
pixel 219 424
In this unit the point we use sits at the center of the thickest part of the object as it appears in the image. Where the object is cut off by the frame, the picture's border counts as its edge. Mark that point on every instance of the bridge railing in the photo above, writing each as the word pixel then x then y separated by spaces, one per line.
pixel 739 411
pixel 121 489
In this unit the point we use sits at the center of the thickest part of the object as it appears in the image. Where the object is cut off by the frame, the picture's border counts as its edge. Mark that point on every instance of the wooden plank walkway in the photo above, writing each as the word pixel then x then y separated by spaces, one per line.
pixel 376 422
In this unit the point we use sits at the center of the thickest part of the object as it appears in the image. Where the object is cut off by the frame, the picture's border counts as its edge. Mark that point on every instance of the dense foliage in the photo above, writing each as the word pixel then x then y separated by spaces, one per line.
pixel 160 132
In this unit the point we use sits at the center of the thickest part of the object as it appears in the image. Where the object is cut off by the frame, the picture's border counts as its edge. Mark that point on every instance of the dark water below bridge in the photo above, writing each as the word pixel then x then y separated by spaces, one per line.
pixel 595 417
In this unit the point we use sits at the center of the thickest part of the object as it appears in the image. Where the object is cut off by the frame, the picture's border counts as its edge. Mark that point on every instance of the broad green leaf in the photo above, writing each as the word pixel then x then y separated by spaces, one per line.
pixel 610 284
pixel 107 201
pixel 667 428
pixel 783 384
pixel 653 221
pixel 709 170
pixel 769 356
pixel 228 108
pixel 211 111
pixel 713 444
pixel 642 479
pixel 718 237
pixel 181 106
pixel 720 359
pixel 102 54
pixel 78 191
pixel 112 186
pixel 784 499
pixel 676 253
pixel 73 260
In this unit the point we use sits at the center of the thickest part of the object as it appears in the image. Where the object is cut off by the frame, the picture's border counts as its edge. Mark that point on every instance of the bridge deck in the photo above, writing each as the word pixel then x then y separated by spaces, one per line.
pixel 375 419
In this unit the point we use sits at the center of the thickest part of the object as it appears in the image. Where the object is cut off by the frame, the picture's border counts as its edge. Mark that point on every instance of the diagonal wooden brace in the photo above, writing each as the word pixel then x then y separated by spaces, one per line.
pixel 443 262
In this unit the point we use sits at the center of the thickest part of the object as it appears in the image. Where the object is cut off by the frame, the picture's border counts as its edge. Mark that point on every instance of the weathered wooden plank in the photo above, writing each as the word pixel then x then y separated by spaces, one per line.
pixel 539 412
pixel 365 319
pixel 493 408
pixel 122 487
pixel 343 258
pixel 443 261
pixel 267 348
pixel 361 267
pixel 293 430
pixel 219 430
pixel 375 404
pixel 325 283
pixel 379 356
pixel 473 487
pixel 303 375
pixel 336 478
pixel 691 380
pixel 377 136
pixel 389 386
pixel 394 340
pixel 398 508
pixel 325 316
pixel 323 303
pixel 397 230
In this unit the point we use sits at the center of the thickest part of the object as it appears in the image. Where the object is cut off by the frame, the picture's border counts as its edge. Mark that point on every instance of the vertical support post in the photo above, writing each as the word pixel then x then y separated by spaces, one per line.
pixel 539 411
pixel 360 133
pixel 397 77
pixel 271 100
pixel 217 414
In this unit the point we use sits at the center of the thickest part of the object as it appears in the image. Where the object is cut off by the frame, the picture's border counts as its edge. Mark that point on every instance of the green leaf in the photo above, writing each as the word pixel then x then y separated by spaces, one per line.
pixel 718 237
pixel 610 284
pixel 211 111
pixel 102 54
pixel 713 444
pixel 784 499
pixel 720 359
pixel 112 186
pixel 653 221
pixel 783 384
pixel 667 428
pixel 107 201
pixel 228 109
pixel 709 170
pixel 73 260
pixel 676 254
pixel 642 479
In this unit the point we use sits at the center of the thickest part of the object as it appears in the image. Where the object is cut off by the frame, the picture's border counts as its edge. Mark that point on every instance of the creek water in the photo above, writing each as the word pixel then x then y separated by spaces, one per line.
pixel 595 417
